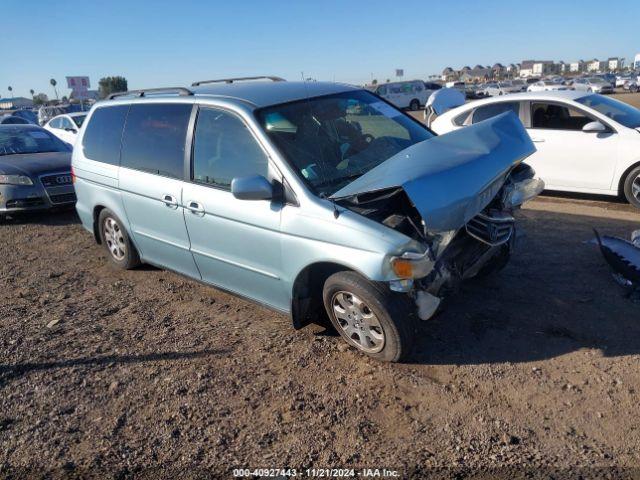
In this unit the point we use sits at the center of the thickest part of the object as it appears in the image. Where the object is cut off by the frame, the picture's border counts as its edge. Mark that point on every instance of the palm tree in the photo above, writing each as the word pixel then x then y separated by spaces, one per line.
pixel 10 90
pixel 32 92
pixel 53 84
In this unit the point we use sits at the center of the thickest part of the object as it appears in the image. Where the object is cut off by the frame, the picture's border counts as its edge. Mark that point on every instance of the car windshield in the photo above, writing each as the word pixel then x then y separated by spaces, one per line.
pixel 78 119
pixel 616 110
pixel 20 141
pixel 332 140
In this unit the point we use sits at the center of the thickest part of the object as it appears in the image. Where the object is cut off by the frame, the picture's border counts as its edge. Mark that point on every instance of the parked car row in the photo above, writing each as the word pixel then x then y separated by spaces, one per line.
pixel 411 94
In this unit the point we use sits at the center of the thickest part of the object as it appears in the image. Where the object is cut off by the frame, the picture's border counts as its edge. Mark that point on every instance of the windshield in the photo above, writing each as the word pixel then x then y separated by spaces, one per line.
pixel 621 112
pixel 78 119
pixel 332 140
pixel 19 141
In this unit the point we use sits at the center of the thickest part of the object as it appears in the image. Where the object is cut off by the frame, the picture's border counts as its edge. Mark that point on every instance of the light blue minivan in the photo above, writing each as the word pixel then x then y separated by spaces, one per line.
pixel 314 199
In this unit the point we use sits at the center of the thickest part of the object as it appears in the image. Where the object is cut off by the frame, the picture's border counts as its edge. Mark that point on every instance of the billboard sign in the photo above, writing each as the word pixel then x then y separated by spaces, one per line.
pixel 74 82
pixel 79 87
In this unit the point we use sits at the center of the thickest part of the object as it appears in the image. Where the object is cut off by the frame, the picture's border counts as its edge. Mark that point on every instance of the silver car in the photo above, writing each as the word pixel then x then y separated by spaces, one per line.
pixel 314 199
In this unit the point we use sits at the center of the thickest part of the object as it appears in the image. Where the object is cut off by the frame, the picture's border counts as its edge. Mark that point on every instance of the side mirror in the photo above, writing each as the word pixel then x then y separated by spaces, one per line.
pixel 594 127
pixel 255 187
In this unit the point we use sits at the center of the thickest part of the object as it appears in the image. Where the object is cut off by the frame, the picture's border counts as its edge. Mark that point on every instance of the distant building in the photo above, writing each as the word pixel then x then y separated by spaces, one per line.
pixel 596 65
pixel 615 63
pixel 562 67
pixel 15 102
pixel 636 61
pixel 526 68
pixel 477 74
pixel 448 75
pixel 537 68
pixel 577 67
pixel 544 67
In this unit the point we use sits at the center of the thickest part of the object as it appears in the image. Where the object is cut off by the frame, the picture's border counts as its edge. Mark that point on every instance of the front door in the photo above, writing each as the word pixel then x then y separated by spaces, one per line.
pixel 568 158
pixel 235 243
pixel 151 181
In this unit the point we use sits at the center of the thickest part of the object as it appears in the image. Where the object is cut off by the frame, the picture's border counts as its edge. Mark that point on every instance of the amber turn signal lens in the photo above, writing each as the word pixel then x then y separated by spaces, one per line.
pixel 402 268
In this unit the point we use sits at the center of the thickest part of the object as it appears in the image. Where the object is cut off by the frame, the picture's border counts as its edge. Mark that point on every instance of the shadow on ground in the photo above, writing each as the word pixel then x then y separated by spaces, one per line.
pixel 53 217
pixel 9 372
pixel 556 296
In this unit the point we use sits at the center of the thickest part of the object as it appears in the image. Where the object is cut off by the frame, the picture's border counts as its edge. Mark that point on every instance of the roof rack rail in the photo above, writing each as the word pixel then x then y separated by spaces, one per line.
pixel 238 79
pixel 183 92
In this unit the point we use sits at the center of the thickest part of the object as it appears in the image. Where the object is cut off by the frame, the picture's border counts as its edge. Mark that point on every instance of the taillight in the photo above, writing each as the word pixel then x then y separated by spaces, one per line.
pixel 73 176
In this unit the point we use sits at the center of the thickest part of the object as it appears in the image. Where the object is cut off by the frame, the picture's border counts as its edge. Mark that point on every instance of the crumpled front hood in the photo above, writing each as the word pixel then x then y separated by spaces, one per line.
pixel 452 177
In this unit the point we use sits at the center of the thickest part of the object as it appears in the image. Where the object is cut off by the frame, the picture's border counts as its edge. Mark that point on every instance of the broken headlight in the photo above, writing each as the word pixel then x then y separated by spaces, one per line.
pixel 522 191
pixel 412 264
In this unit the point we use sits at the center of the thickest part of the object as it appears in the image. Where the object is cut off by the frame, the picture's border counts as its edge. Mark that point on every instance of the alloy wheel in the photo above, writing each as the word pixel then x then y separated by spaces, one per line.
pixel 635 188
pixel 114 239
pixel 358 322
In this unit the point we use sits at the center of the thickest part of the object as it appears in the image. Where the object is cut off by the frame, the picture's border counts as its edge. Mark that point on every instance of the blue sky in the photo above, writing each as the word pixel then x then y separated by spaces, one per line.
pixel 168 43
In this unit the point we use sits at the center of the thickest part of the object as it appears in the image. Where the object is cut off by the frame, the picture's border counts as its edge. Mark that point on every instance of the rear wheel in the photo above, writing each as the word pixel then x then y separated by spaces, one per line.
pixel 369 316
pixel 631 187
pixel 116 241
pixel 414 105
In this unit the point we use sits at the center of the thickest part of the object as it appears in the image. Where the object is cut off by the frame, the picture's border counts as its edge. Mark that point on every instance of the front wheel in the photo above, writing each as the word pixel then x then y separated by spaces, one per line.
pixel 414 105
pixel 369 316
pixel 632 187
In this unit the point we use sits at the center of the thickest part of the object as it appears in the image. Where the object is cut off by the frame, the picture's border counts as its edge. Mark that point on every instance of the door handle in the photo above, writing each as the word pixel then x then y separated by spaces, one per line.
pixel 170 201
pixel 537 140
pixel 195 208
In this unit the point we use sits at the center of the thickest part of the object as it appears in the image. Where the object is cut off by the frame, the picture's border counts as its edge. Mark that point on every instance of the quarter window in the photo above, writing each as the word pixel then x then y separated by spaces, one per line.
pixel 494 109
pixel 154 138
pixel 552 116
pixel 101 140
pixel 224 149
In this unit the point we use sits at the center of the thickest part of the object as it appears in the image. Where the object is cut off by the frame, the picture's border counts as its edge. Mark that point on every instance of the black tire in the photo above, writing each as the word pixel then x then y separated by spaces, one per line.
pixel 631 183
pixel 497 263
pixel 414 105
pixel 392 311
pixel 115 239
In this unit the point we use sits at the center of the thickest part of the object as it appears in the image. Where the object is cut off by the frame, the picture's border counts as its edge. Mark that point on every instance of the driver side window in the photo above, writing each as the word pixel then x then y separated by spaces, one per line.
pixel 223 149
pixel 552 116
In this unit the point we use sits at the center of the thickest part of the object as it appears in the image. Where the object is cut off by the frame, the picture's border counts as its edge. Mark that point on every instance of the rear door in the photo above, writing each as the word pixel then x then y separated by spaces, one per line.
pixel 235 243
pixel 152 166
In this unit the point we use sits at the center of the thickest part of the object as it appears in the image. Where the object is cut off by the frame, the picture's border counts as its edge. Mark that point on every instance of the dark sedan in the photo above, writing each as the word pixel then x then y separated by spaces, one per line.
pixel 35 170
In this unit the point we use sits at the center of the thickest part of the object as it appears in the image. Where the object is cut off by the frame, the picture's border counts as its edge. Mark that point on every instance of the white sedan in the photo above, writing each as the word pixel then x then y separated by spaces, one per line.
pixel 585 142
pixel 546 86
pixel 67 126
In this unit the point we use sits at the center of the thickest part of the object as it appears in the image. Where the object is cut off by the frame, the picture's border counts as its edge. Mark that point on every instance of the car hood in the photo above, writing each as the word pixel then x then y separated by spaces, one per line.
pixel 35 164
pixel 452 177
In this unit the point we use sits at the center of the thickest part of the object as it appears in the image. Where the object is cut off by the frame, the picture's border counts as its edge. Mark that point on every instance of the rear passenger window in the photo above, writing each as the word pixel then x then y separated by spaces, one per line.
pixel 154 138
pixel 490 111
pixel 101 140
pixel 224 149
pixel 461 119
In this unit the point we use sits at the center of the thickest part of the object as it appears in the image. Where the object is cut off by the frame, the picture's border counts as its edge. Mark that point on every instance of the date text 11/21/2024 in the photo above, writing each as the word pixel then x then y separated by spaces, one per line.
pixel 317 472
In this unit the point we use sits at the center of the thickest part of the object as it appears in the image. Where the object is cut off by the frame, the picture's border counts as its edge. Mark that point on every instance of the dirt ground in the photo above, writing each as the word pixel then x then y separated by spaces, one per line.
pixel 117 373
